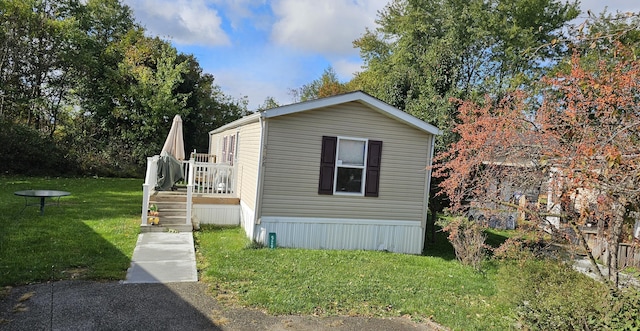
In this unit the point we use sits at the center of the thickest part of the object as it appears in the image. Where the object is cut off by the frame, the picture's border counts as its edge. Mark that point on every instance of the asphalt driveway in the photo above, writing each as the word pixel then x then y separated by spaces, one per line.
pixel 84 305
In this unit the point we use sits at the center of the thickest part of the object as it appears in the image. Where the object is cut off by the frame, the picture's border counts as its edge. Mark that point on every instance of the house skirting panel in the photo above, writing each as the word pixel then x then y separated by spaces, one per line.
pixel 247 219
pixel 217 214
pixel 350 234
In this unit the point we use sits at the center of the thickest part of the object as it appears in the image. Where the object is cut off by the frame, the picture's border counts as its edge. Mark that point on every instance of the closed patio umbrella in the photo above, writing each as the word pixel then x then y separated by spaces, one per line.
pixel 174 144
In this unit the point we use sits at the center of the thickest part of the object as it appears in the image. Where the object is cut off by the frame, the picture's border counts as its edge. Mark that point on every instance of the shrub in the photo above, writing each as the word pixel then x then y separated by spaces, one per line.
pixel 621 313
pixel 467 239
pixel 27 151
pixel 550 295
pixel 517 248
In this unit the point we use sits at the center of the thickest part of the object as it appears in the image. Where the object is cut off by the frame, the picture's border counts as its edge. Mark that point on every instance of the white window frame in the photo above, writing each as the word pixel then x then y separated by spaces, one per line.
pixel 228 148
pixel 338 164
pixel 231 149
pixel 223 152
pixel 235 150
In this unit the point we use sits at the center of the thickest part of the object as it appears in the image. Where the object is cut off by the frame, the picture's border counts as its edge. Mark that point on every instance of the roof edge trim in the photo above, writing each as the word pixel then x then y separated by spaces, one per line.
pixel 354 96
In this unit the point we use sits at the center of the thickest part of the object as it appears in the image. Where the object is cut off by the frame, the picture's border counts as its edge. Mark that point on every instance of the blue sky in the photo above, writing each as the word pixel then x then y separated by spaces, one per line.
pixel 264 48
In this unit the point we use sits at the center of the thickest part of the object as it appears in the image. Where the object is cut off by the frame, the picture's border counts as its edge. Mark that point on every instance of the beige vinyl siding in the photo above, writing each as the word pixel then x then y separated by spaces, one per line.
pixel 247 162
pixel 293 162
pixel 214 142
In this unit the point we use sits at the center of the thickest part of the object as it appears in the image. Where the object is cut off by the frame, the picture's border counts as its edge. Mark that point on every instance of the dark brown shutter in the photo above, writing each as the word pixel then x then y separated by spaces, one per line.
pixel 371 186
pixel 327 164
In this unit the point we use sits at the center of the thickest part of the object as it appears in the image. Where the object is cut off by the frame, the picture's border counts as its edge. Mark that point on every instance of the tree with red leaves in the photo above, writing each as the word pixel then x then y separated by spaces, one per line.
pixel 581 144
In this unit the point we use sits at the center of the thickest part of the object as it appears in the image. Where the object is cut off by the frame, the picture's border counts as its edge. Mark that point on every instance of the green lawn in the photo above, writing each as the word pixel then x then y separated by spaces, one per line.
pixel 296 281
pixel 93 234
pixel 90 236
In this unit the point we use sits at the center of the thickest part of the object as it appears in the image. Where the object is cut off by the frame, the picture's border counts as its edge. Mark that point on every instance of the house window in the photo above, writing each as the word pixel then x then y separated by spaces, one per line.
pixel 350 166
pixel 224 148
pixel 229 148
pixel 236 146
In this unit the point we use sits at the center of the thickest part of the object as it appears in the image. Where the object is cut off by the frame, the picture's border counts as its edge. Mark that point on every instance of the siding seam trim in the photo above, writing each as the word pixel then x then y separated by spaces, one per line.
pixel 347 221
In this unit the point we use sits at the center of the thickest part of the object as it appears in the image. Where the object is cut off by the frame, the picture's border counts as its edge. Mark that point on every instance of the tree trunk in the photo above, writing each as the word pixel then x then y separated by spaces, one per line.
pixel 586 247
pixel 615 231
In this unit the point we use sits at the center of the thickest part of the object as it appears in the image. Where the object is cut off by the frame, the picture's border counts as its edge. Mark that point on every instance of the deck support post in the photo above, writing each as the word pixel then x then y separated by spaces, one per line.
pixel 190 190
pixel 150 180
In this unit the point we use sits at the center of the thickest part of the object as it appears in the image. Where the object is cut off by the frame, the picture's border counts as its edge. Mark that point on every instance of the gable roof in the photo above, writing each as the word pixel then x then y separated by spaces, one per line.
pixel 357 96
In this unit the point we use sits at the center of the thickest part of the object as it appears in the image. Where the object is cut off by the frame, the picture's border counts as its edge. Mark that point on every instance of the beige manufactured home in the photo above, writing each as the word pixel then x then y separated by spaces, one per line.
pixel 343 172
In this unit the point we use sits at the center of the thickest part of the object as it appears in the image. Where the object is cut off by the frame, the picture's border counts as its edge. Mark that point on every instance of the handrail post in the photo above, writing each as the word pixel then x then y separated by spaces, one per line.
pixel 145 203
pixel 149 184
pixel 234 179
pixel 190 177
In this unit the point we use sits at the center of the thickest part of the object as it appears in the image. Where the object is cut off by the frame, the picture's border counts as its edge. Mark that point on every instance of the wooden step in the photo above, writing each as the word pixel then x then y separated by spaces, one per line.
pixel 172 209
pixel 168 198
pixel 166 228
pixel 162 205
pixel 173 220
pixel 172 212
pixel 177 196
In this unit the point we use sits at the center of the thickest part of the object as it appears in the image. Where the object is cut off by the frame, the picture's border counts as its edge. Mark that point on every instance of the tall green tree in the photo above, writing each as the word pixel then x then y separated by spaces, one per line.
pixel 38 46
pixel 129 116
pixel 326 85
pixel 104 23
pixel 83 73
pixel 269 102
pixel 424 52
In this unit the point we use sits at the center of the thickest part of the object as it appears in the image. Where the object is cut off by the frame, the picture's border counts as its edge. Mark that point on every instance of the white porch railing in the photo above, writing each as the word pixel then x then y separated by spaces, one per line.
pixel 204 158
pixel 200 178
pixel 211 178
pixel 199 158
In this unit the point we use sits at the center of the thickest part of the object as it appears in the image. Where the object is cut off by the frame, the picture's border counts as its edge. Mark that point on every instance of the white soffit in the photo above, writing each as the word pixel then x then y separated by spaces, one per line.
pixel 237 123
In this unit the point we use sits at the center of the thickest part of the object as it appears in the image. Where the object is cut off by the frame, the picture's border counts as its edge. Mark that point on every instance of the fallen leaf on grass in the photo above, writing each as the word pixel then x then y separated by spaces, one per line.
pixel 336 323
pixel 5 291
pixel 26 296
pixel 288 323
pixel 19 308
pixel 218 318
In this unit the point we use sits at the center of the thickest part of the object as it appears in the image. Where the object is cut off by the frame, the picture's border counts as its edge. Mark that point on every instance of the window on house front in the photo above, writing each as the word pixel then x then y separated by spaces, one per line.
pixel 350 166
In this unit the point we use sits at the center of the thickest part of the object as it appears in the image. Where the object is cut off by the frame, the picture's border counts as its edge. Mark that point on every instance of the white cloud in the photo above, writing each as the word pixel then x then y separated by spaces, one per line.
pixel 270 74
pixel 345 68
pixel 238 84
pixel 304 37
pixel 597 6
pixel 240 12
pixel 326 27
pixel 185 22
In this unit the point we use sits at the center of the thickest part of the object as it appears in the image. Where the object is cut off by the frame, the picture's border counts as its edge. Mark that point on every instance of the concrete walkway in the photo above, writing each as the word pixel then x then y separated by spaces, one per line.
pixel 584 266
pixel 163 257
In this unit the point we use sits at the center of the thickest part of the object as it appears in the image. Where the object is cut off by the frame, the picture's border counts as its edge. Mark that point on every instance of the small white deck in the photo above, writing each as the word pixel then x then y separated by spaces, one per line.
pixel 207 196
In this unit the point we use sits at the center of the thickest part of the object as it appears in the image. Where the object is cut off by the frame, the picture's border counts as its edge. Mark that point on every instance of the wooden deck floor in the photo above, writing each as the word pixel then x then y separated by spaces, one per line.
pixel 198 199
